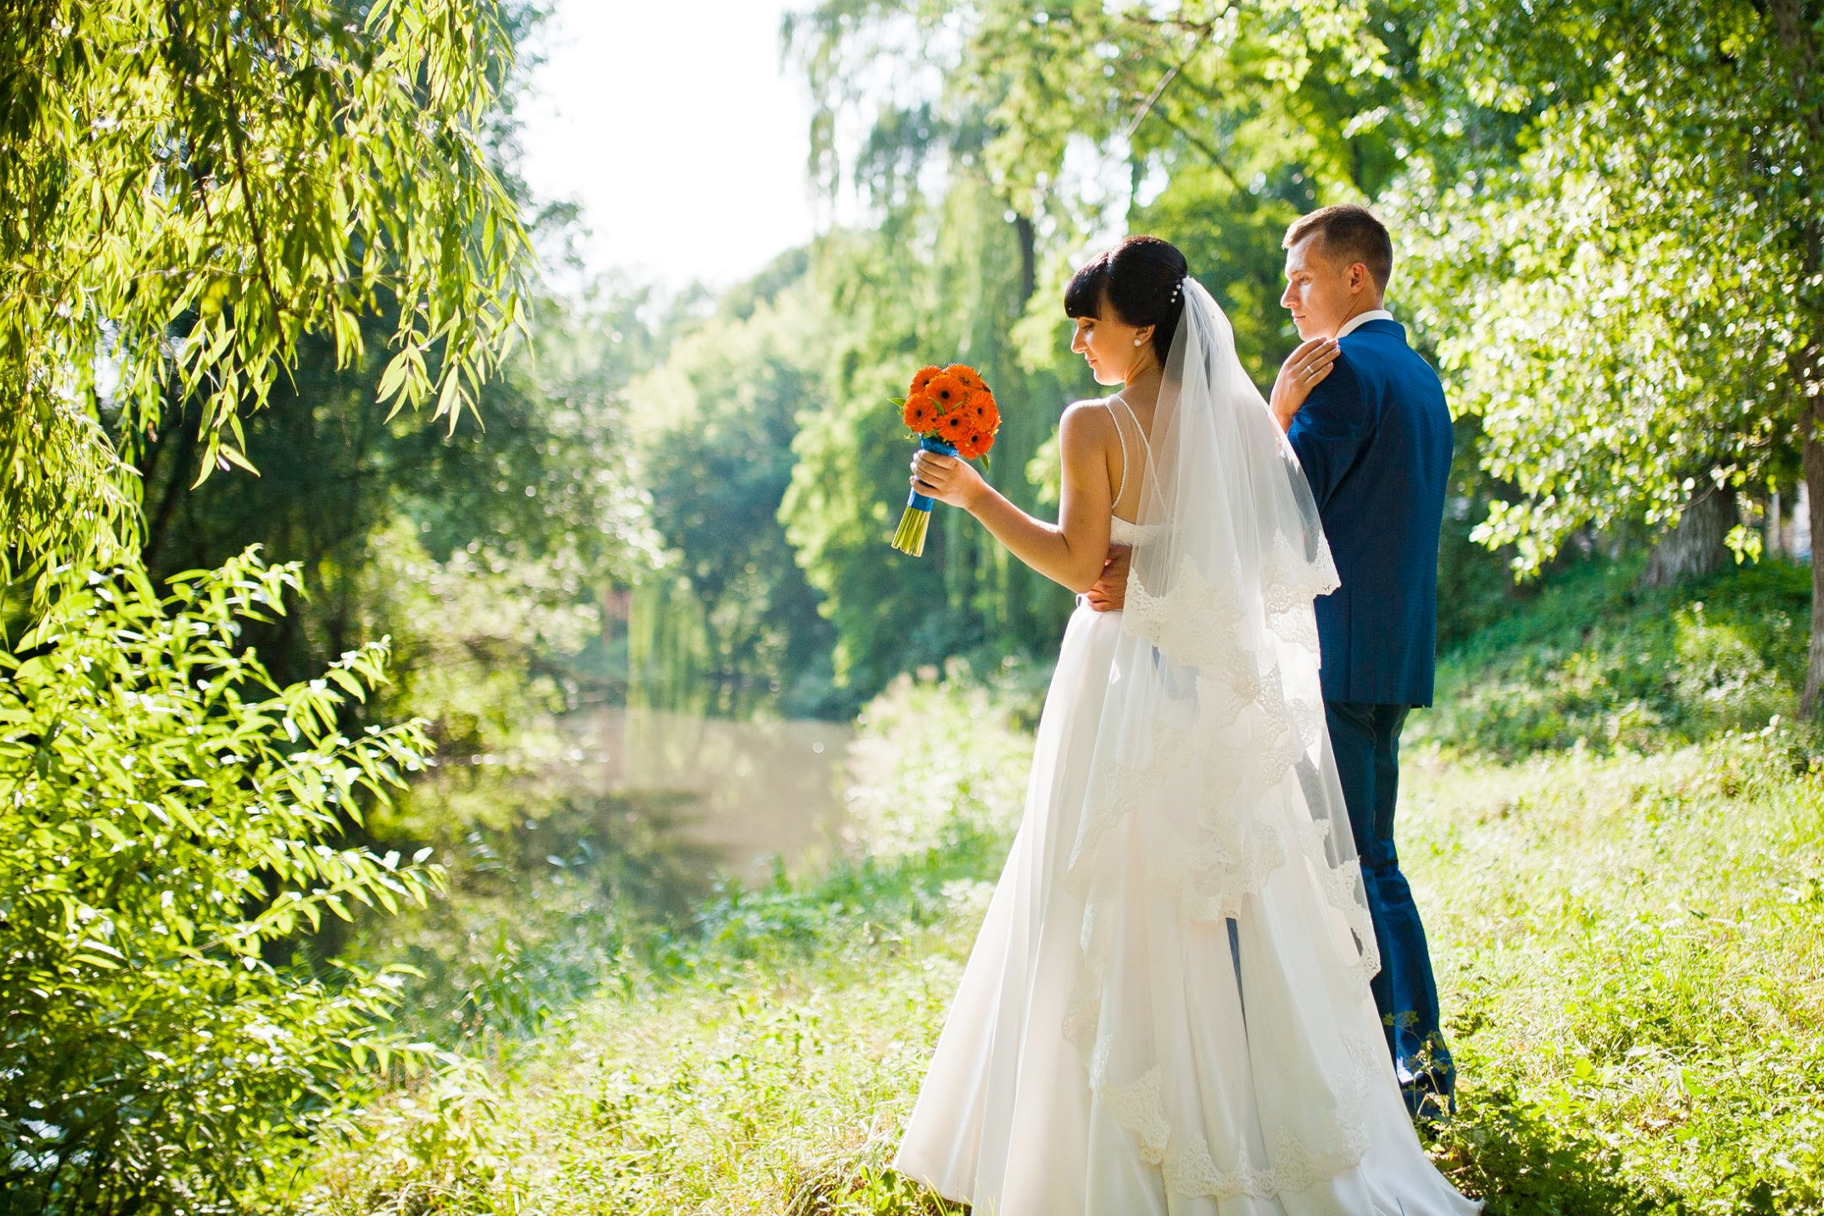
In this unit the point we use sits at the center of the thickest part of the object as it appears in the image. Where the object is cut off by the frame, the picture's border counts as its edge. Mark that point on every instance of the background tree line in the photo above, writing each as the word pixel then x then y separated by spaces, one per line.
pixel 1607 241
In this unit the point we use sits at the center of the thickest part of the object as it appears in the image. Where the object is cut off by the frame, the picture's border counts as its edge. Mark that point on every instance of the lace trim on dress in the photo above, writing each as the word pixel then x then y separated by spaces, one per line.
pixel 1194 621
pixel 1291 1166
pixel 1199 623
pixel 1139 1105
pixel 1343 891
pixel 1294 580
pixel 1189 1169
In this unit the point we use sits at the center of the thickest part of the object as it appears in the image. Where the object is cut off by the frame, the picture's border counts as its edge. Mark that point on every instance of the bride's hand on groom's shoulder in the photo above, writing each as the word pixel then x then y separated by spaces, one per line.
pixel 1303 370
pixel 947 479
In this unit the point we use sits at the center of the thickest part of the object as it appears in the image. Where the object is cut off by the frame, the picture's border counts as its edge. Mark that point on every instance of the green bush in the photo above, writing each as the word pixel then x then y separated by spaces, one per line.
pixel 167 826
pixel 1595 660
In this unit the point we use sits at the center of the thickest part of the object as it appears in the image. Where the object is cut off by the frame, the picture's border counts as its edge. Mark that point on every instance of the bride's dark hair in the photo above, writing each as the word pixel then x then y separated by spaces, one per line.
pixel 1142 279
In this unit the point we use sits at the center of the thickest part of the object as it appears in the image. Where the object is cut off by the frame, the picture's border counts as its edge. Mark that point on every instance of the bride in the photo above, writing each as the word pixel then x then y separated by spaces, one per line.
pixel 1167 1010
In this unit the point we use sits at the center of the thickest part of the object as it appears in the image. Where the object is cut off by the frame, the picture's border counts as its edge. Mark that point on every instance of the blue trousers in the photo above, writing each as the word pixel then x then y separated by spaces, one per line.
pixel 1366 740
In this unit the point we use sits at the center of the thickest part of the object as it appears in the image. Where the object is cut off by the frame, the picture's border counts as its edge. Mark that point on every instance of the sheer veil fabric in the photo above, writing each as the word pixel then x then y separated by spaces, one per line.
pixel 1167 1008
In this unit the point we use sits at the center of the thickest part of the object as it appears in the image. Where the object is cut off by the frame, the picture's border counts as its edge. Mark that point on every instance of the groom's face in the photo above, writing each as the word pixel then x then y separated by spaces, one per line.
pixel 1320 294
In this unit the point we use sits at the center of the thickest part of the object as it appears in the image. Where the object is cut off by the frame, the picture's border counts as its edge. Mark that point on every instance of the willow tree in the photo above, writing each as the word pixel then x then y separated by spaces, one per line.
pixel 991 143
pixel 188 191
pixel 945 274
pixel 189 187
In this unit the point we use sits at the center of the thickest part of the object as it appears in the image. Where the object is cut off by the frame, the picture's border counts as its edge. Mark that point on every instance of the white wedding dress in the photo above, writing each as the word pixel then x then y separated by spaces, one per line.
pixel 1166 1011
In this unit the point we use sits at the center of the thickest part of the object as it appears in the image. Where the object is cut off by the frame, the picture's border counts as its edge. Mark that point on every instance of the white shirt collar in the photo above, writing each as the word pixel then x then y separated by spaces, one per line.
pixel 1362 318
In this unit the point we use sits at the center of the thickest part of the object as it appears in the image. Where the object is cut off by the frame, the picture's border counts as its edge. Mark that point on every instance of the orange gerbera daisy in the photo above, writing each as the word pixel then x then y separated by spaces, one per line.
pixel 972 445
pixel 955 426
pixel 947 391
pixel 982 413
pixel 920 413
pixel 924 377
pixel 967 376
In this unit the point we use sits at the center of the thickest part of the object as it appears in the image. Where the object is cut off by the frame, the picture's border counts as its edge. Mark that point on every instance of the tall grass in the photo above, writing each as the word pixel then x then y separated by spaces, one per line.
pixel 1631 954
pixel 1625 910
pixel 759 1060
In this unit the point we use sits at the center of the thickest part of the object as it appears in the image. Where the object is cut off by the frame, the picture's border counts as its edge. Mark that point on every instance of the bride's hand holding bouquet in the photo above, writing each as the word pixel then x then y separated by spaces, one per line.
pixel 954 416
pixel 947 479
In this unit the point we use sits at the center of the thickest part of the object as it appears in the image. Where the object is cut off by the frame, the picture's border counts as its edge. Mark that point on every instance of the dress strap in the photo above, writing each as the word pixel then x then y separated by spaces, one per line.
pixel 1122 436
pixel 1133 419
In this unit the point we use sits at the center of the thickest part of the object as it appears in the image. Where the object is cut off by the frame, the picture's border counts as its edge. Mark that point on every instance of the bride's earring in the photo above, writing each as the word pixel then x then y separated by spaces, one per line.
pixel 1138 341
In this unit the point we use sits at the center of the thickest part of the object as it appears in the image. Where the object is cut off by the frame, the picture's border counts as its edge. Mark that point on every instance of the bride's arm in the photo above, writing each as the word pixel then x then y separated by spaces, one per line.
pixel 1070 551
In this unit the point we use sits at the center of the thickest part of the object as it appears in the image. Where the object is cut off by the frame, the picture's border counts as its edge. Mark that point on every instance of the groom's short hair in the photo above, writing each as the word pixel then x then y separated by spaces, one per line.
pixel 1348 234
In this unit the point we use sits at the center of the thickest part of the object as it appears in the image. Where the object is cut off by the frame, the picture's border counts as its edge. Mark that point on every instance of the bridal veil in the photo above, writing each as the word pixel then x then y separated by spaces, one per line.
pixel 1214 823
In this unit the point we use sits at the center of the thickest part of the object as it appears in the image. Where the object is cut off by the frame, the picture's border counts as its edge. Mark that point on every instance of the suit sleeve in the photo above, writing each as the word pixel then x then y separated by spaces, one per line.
pixel 1331 430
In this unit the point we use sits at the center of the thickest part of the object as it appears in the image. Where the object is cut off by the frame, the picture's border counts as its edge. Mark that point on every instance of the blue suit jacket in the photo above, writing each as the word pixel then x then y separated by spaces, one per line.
pixel 1375 441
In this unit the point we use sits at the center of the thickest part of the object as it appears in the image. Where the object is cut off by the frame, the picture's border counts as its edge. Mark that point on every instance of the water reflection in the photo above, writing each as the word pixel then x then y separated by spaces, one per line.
pixel 663 790
pixel 747 791
pixel 627 822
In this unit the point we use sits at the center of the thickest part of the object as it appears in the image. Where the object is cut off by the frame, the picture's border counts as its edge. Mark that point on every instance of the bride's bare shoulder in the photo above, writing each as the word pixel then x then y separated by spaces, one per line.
pixel 1087 421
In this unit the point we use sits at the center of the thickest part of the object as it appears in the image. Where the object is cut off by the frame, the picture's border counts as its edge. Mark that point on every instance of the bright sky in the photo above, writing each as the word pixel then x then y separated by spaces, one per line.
pixel 675 129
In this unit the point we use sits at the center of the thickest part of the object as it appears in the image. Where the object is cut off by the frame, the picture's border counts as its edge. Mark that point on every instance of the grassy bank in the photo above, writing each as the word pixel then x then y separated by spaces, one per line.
pixel 1619 835
pixel 760 1061
pixel 1627 931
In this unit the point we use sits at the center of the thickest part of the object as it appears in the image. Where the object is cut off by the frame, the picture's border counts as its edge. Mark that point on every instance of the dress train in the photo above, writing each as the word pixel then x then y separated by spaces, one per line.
pixel 1284 1101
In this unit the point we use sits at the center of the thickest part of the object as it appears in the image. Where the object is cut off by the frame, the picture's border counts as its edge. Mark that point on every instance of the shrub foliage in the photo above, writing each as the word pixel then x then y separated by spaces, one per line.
pixel 168 819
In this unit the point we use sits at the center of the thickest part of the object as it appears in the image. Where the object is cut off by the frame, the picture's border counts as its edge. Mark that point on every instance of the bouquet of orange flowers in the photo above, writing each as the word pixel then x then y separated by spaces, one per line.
pixel 952 412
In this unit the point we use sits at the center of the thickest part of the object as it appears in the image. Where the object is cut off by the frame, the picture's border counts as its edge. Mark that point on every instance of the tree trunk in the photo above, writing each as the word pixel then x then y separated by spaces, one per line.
pixel 1813 456
pixel 1029 258
pixel 1795 26
pixel 1698 545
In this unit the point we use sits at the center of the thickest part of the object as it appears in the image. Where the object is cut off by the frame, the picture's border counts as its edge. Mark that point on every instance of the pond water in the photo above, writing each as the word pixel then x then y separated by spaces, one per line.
pixel 631 818
pixel 741 792
pixel 676 797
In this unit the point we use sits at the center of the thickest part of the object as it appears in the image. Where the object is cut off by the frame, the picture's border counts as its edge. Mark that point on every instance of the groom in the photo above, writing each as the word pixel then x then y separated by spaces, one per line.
pixel 1374 439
